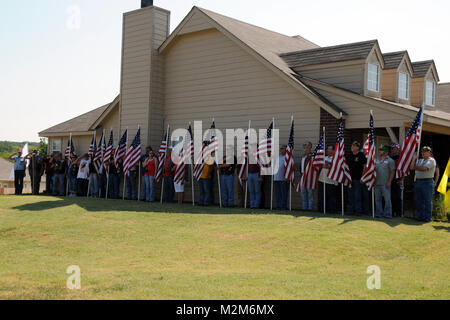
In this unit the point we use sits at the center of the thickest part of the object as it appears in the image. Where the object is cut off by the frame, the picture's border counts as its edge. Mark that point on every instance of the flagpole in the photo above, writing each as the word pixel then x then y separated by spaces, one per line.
pixel 107 173
pixel 324 184
pixel 272 164
pixel 290 182
pixel 164 163
pixel 123 169
pixel 68 162
pixel 89 181
pixel 139 176
pixel 247 160
pixel 192 167
pixel 373 188
pixel 218 171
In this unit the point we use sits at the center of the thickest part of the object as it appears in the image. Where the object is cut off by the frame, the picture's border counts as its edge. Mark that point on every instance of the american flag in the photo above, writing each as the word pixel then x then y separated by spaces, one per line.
pixel 121 149
pixel 206 152
pixel 410 145
pixel 92 148
pixel 133 154
pixel 289 163
pixel 161 157
pixel 339 170
pixel 70 150
pixel 108 152
pixel 243 171
pixel 370 176
pixel 311 175
pixel 180 170
pixel 98 160
pixel 367 146
pixel 264 152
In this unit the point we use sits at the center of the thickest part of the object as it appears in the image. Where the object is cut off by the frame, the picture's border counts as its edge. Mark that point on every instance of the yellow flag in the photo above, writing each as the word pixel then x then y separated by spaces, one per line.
pixel 443 186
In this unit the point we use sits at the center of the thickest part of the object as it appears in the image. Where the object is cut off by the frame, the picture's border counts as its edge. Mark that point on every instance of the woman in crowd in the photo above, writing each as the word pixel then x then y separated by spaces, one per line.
pixel 83 175
pixel 150 165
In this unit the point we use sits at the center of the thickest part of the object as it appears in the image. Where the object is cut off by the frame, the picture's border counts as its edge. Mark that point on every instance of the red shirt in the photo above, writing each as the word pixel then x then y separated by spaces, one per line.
pixel 168 172
pixel 151 168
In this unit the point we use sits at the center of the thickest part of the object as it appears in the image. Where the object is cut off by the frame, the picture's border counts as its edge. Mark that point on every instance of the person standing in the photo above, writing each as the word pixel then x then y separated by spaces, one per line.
pixel 425 170
pixel 385 168
pixel 19 171
pixel 93 180
pixel 307 194
pixel 142 161
pixel 169 174
pixel 35 171
pixel 59 173
pixel 397 184
pixel 49 171
pixel 280 182
pixel 113 180
pixel 205 183
pixel 132 183
pixel 254 179
pixel 150 165
pixel 330 185
pixel 72 174
pixel 227 170
pixel 356 162
pixel 83 175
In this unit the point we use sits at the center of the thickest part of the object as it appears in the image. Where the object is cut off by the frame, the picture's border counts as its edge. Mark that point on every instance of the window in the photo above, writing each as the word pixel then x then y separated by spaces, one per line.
pixel 56 145
pixel 429 93
pixel 403 86
pixel 373 80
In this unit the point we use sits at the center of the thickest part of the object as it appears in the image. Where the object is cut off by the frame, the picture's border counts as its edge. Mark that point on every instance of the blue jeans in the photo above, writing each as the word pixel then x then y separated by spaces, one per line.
pixel 255 190
pixel 169 189
pixel 381 192
pixel 143 195
pixel 72 186
pixel 423 194
pixel 307 199
pixel 93 186
pixel 113 186
pixel 131 187
pixel 48 184
pixel 366 200
pixel 227 186
pixel 149 187
pixel 58 181
pixel 204 186
pixel 355 198
pixel 281 191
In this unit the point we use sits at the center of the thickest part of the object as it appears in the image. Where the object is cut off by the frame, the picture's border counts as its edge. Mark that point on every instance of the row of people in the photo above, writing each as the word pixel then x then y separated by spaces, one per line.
pixel 83 178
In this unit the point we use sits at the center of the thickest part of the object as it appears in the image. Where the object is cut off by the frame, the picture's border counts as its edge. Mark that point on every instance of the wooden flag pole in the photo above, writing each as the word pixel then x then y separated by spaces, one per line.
pixel 164 163
pixel 248 161
pixel 324 183
pixel 123 169
pixel 68 162
pixel 272 164
pixel 290 182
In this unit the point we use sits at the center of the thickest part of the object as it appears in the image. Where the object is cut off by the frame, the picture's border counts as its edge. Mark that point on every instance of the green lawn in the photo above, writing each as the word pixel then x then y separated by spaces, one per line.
pixel 130 250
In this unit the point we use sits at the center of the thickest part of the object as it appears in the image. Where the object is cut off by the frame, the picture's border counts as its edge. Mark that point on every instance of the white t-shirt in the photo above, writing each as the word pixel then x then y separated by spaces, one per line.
pixel 83 171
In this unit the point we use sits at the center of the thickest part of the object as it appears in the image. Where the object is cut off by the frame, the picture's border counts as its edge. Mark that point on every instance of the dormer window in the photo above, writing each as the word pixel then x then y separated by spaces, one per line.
pixel 403 86
pixel 429 93
pixel 373 78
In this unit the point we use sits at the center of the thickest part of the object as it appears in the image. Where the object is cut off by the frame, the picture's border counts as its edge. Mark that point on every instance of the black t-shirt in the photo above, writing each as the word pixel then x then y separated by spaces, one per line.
pixel 356 164
pixel 60 166
pixel 395 158
pixel 228 170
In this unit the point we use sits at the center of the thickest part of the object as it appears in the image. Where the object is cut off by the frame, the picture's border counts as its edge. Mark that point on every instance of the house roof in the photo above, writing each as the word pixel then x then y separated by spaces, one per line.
pixel 265 45
pixel 443 97
pixel 421 68
pixel 392 60
pixel 78 124
pixel 339 53
pixel 5 170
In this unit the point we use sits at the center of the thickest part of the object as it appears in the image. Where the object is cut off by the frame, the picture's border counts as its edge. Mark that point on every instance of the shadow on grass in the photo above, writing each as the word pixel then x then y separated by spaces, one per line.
pixel 441 228
pixel 102 205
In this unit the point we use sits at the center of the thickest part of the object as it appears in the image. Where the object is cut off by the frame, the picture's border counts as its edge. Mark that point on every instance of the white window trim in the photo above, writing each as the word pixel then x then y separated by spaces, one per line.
pixel 433 97
pixel 407 86
pixel 378 77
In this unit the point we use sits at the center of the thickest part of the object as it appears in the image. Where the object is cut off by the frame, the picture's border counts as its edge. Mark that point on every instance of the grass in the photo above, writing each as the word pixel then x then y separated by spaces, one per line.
pixel 130 250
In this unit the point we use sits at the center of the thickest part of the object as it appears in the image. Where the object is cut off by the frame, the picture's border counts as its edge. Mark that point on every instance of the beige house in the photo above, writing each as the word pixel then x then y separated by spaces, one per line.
pixel 213 66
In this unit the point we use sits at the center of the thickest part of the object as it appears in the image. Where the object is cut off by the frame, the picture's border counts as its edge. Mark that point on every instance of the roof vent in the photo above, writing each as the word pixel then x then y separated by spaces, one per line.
pixel 146 3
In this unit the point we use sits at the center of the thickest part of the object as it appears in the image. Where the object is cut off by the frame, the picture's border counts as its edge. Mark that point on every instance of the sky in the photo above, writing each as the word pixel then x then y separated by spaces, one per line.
pixel 61 58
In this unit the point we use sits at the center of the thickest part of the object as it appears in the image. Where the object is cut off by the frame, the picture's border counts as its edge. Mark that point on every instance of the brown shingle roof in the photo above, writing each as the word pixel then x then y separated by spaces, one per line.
pixel 344 52
pixel 79 124
pixel 443 97
pixel 421 68
pixel 392 60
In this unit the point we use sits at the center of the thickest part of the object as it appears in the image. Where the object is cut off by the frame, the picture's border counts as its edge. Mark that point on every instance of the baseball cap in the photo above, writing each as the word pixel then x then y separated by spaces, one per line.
pixel 384 148
pixel 395 145
pixel 426 149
